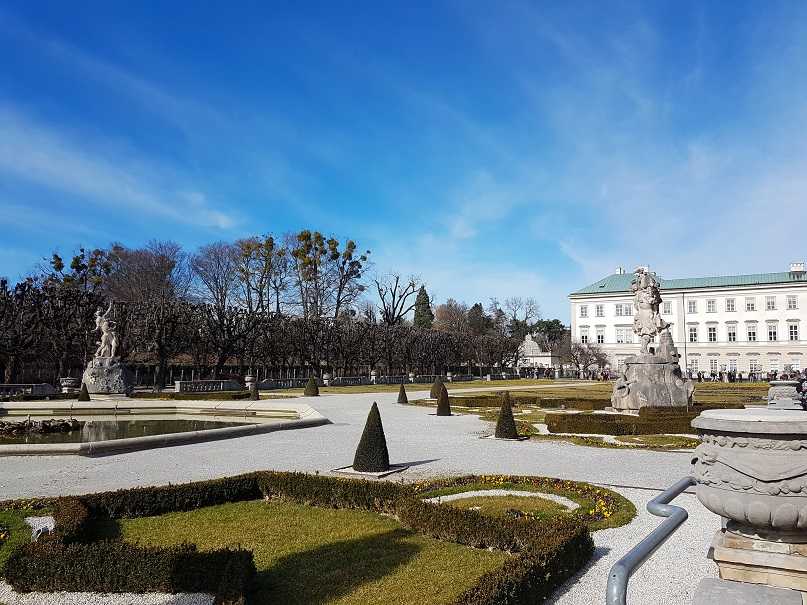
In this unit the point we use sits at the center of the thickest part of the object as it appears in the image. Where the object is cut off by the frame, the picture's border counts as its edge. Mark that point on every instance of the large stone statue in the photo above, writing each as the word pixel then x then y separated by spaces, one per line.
pixel 652 378
pixel 105 374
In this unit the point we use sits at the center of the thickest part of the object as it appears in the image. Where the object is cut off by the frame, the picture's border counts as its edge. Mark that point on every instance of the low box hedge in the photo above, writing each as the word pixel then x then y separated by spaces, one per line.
pixel 545 552
pixel 574 404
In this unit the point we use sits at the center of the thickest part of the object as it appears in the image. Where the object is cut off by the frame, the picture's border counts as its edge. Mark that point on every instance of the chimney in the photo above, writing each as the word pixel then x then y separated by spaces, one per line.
pixel 620 271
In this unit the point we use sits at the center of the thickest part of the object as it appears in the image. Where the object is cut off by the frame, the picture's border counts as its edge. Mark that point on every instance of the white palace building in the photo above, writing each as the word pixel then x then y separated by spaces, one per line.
pixel 746 323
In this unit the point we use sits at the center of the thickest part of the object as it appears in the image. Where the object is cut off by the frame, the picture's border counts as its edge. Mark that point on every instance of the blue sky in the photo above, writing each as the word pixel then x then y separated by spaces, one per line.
pixel 492 148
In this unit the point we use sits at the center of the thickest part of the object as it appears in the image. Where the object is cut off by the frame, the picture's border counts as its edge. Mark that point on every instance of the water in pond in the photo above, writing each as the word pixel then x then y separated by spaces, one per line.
pixel 104 430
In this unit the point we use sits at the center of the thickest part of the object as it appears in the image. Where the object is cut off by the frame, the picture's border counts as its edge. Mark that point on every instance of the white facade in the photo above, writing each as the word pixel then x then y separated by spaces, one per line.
pixel 750 323
pixel 534 356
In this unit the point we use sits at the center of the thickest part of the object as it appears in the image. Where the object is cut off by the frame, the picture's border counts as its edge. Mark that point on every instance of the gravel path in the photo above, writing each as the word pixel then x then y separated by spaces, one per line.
pixel 432 446
pixel 9 597
pixel 491 493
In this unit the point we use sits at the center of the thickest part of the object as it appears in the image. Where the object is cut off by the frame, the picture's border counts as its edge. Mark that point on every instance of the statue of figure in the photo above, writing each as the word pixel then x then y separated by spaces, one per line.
pixel 647 321
pixel 108 345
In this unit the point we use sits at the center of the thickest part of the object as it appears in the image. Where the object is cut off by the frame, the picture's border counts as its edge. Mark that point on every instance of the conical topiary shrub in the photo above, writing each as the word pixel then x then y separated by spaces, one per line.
pixel 402 398
pixel 372 455
pixel 311 389
pixel 443 406
pixel 84 394
pixel 434 393
pixel 506 424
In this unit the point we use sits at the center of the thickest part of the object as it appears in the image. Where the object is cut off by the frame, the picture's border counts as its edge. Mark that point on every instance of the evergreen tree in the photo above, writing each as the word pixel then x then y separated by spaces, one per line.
pixel 402 398
pixel 506 424
pixel 84 394
pixel 311 389
pixel 423 309
pixel 372 455
pixel 443 406
pixel 437 385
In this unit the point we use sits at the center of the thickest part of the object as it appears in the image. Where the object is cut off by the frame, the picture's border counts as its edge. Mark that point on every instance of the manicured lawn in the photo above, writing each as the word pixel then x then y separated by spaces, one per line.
pixel 499 505
pixel 19 532
pixel 309 555
pixel 393 388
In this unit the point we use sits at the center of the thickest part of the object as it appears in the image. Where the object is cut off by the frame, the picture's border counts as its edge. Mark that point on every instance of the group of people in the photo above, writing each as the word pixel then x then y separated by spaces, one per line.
pixel 735 376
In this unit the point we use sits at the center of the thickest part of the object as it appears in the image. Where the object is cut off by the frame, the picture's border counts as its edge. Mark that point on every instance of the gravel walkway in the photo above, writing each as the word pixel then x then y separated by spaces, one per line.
pixel 9 597
pixel 491 493
pixel 432 446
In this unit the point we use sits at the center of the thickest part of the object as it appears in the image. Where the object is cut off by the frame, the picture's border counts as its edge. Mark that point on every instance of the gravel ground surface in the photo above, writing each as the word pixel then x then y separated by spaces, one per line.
pixel 9 597
pixel 492 493
pixel 432 446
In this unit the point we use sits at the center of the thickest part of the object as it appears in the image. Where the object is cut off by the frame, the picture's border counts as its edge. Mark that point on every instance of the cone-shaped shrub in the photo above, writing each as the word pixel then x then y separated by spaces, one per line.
pixel 434 393
pixel 443 406
pixel 402 398
pixel 254 395
pixel 84 394
pixel 311 389
pixel 372 455
pixel 506 425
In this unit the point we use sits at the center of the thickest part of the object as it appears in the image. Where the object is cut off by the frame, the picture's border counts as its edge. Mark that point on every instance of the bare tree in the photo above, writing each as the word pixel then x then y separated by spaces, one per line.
pixel 396 298
pixel 451 316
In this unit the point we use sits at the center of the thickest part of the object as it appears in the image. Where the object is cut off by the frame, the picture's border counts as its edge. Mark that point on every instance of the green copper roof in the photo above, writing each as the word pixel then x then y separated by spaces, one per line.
pixel 621 283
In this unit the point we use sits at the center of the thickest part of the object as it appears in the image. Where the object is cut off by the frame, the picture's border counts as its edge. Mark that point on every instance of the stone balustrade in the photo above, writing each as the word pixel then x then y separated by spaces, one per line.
pixel 206 386
pixel 42 388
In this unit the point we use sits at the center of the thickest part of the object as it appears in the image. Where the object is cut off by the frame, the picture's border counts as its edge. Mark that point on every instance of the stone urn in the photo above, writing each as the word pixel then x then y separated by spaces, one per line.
pixel 68 384
pixel 783 395
pixel 751 469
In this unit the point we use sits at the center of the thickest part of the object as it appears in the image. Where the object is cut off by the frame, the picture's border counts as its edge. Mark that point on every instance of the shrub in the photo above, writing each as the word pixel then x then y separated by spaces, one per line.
pixel 506 424
pixel 71 517
pixel 84 394
pixel 443 406
pixel 402 398
pixel 311 389
pixel 620 424
pixel 371 454
pixel 437 386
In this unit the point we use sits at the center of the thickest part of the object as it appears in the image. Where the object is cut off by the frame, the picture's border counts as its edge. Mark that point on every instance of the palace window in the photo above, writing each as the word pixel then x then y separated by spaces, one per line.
pixel 711 306
pixel 599 310
pixel 693 364
pixel 730 305
pixel 620 336
pixel 666 307
pixel 583 310
pixel 692 306
pixel 733 364
pixel 731 331
pixel 773 336
pixel 625 310
pixel 754 366
pixel 773 365
pixel 770 303
pixel 796 365
pixel 693 334
pixel 713 364
pixel 792 302
pixel 752 333
pixel 711 333
pixel 793 331
pixel 600 336
pixel 750 304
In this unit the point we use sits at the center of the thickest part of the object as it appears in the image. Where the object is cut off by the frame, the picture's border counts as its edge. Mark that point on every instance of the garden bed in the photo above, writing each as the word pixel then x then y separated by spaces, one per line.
pixel 510 560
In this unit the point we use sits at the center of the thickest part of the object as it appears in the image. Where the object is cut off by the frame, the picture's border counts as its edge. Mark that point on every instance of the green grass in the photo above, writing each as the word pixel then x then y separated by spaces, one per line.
pixel 308 555
pixel 20 533
pixel 393 388
pixel 497 506
pixel 660 441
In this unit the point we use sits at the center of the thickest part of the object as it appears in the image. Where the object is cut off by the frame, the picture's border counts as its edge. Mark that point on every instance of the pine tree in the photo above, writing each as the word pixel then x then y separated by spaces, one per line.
pixel 443 406
pixel 402 398
pixel 311 389
pixel 437 385
pixel 84 394
pixel 506 424
pixel 423 309
pixel 372 455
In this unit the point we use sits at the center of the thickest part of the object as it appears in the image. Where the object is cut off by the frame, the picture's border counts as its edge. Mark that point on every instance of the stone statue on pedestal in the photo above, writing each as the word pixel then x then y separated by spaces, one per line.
pixel 653 378
pixel 105 374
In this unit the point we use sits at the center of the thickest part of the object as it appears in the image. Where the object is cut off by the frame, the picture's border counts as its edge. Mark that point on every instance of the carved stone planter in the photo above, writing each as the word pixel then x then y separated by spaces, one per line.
pixel 783 395
pixel 751 468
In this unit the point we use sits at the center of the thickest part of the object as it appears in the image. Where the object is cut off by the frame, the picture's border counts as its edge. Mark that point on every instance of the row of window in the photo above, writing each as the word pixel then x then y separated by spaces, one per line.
pixel 624 335
pixel 754 365
pixel 751 333
pixel 729 305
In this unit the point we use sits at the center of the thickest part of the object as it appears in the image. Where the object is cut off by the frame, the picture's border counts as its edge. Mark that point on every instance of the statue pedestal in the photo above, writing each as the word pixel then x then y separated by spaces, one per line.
pixel 760 561
pixel 651 381
pixel 107 375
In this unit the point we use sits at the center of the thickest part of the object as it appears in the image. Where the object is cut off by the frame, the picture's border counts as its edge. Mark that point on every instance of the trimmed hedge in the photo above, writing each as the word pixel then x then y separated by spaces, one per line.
pixel 372 455
pixel 505 423
pixel 83 394
pixel 575 404
pixel 113 566
pixel 546 552
pixel 649 421
pixel 312 388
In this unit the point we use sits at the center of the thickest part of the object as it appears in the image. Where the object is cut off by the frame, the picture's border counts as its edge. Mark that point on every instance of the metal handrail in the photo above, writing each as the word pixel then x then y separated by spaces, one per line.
pixel 617 589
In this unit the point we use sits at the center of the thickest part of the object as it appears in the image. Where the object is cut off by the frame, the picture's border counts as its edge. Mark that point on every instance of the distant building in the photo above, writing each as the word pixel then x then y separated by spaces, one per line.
pixel 534 356
pixel 746 323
